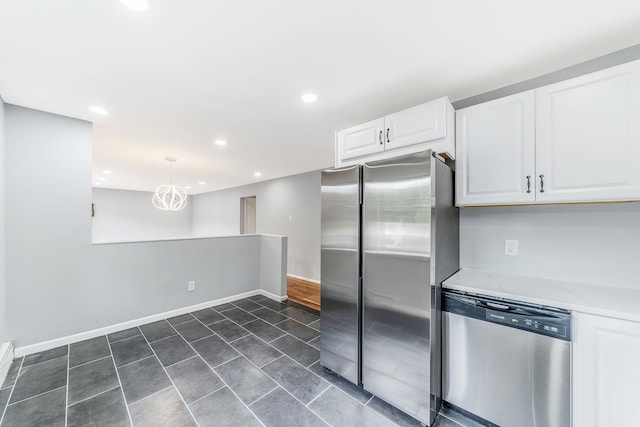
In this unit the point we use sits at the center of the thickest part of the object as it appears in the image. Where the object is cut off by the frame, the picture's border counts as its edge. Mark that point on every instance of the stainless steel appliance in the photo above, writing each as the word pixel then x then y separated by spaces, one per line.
pixel 507 362
pixel 389 239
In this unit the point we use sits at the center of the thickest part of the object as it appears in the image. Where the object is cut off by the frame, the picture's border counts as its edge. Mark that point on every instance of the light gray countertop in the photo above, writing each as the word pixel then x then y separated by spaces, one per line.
pixel 610 301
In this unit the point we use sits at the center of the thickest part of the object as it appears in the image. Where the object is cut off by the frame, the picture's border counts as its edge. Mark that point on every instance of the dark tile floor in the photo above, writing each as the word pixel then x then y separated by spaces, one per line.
pixel 254 362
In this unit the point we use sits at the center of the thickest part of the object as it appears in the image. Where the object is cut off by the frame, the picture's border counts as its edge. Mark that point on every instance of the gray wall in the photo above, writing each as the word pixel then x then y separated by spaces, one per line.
pixel 58 283
pixel 2 224
pixel 130 215
pixel 296 196
pixel 591 243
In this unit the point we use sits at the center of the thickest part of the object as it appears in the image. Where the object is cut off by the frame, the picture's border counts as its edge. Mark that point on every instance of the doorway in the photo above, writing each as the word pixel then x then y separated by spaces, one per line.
pixel 248 215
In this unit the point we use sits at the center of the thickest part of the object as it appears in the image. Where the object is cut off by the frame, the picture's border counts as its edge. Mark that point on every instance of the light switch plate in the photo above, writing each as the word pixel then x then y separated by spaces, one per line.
pixel 511 247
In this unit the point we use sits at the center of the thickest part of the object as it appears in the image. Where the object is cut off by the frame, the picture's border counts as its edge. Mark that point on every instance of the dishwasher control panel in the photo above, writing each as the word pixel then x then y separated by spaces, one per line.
pixel 537 319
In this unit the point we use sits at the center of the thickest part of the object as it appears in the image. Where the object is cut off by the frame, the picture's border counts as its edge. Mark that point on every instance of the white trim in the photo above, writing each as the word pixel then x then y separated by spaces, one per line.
pixel 6 357
pixel 304 278
pixel 70 339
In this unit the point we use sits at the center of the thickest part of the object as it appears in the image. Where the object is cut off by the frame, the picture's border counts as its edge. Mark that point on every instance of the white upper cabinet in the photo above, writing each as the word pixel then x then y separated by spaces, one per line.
pixel 588 137
pixel 496 151
pixel 361 140
pixel 572 141
pixel 426 126
pixel 606 373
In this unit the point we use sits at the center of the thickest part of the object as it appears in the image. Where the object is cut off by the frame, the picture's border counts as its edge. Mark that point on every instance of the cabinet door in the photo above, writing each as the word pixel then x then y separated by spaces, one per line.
pixel 495 152
pixel 361 140
pixel 423 123
pixel 606 372
pixel 588 137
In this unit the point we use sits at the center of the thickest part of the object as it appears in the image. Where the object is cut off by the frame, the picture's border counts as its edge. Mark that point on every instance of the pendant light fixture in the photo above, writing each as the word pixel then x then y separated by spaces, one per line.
pixel 170 197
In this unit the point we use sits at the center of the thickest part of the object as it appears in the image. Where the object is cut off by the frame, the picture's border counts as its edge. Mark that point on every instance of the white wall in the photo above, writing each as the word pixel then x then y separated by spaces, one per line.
pixel 591 243
pixel 296 196
pixel 2 223
pixel 130 215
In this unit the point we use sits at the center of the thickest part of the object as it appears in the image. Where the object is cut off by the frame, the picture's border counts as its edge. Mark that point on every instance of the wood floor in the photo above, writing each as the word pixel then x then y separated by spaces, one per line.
pixel 303 292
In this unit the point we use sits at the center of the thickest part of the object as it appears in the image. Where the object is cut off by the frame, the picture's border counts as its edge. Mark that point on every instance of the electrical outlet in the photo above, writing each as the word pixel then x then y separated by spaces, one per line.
pixel 191 286
pixel 290 218
pixel 511 247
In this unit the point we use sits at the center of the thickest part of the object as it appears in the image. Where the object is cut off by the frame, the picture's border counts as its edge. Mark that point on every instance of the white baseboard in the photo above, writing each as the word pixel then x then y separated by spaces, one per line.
pixel 304 278
pixel 70 339
pixel 6 357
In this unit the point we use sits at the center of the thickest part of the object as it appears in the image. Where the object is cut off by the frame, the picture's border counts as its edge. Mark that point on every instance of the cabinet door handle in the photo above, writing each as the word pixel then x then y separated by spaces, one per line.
pixel 542 183
pixel 380 138
pixel 387 134
pixel 528 183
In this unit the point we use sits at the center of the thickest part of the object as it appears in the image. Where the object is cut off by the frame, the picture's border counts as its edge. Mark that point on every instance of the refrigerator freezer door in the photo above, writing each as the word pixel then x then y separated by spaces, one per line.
pixel 340 272
pixel 396 282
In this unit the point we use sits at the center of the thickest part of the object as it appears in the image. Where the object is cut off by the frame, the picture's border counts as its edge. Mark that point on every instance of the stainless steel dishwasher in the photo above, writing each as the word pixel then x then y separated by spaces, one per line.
pixel 506 362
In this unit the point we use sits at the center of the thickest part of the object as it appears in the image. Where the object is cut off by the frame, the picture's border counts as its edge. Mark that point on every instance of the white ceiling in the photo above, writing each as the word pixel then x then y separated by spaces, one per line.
pixel 187 72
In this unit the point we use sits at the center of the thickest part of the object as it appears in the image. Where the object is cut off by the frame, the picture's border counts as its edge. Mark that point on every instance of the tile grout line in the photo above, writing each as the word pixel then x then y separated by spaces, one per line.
pixel 151 395
pixel 223 381
pixel 86 363
pixel 320 394
pixel 124 398
pixel 449 418
pixel 35 395
pixel 208 394
pixel 124 339
pixel 370 399
pixel 266 394
pixel 169 376
pixel 129 363
pixel 66 397
pixel 4 411
pixel 95 395
pixel 180 361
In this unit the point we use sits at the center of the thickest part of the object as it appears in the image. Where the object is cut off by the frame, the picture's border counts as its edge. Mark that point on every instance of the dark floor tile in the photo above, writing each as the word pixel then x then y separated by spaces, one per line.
pixel 351 389
pixel 223 307
pixel 106 409
pixel 298 330
pixel 172 350
pixel 256 350
pixel 162 409
pixel 315 343
pixel 88 351
pixel 130 350
pixel 157 330
pixel 337 408
pixel 280 409
pixel 10 379
pixel 247 305
pixel 208 316
pixel 223 409
pixel 273 305
pixel 142 378
pixel 257 298
pixel 40 378
pixel 43 356
pixel 300 382
pixel 392 413
pixel 46 410
pixel 4 398
pixel 214 350
pixel 123 335
pixel 269 315
pixel 263 330
pixel 297 350
pixel 315 325
pixel 193 330
pixel 176 320
pixel 239 316
pixel 194 379
pixel 300 315
pixel 91 379
pixel 442 421
pixel 228 330
pixel 247 382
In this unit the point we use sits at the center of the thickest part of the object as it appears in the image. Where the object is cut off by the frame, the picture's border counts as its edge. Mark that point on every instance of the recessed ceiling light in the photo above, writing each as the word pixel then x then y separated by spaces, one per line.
pixel 187 187
pixel 106 172
pixel 202 183
pixel 98 110
pixel 220 142
pixel 98 183
pixel 102 178
pixel 309 97
pixel 257 174
pixel 139 5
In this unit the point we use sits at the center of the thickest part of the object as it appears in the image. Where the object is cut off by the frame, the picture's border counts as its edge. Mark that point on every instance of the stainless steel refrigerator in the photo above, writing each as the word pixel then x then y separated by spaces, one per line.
pixel 389 239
